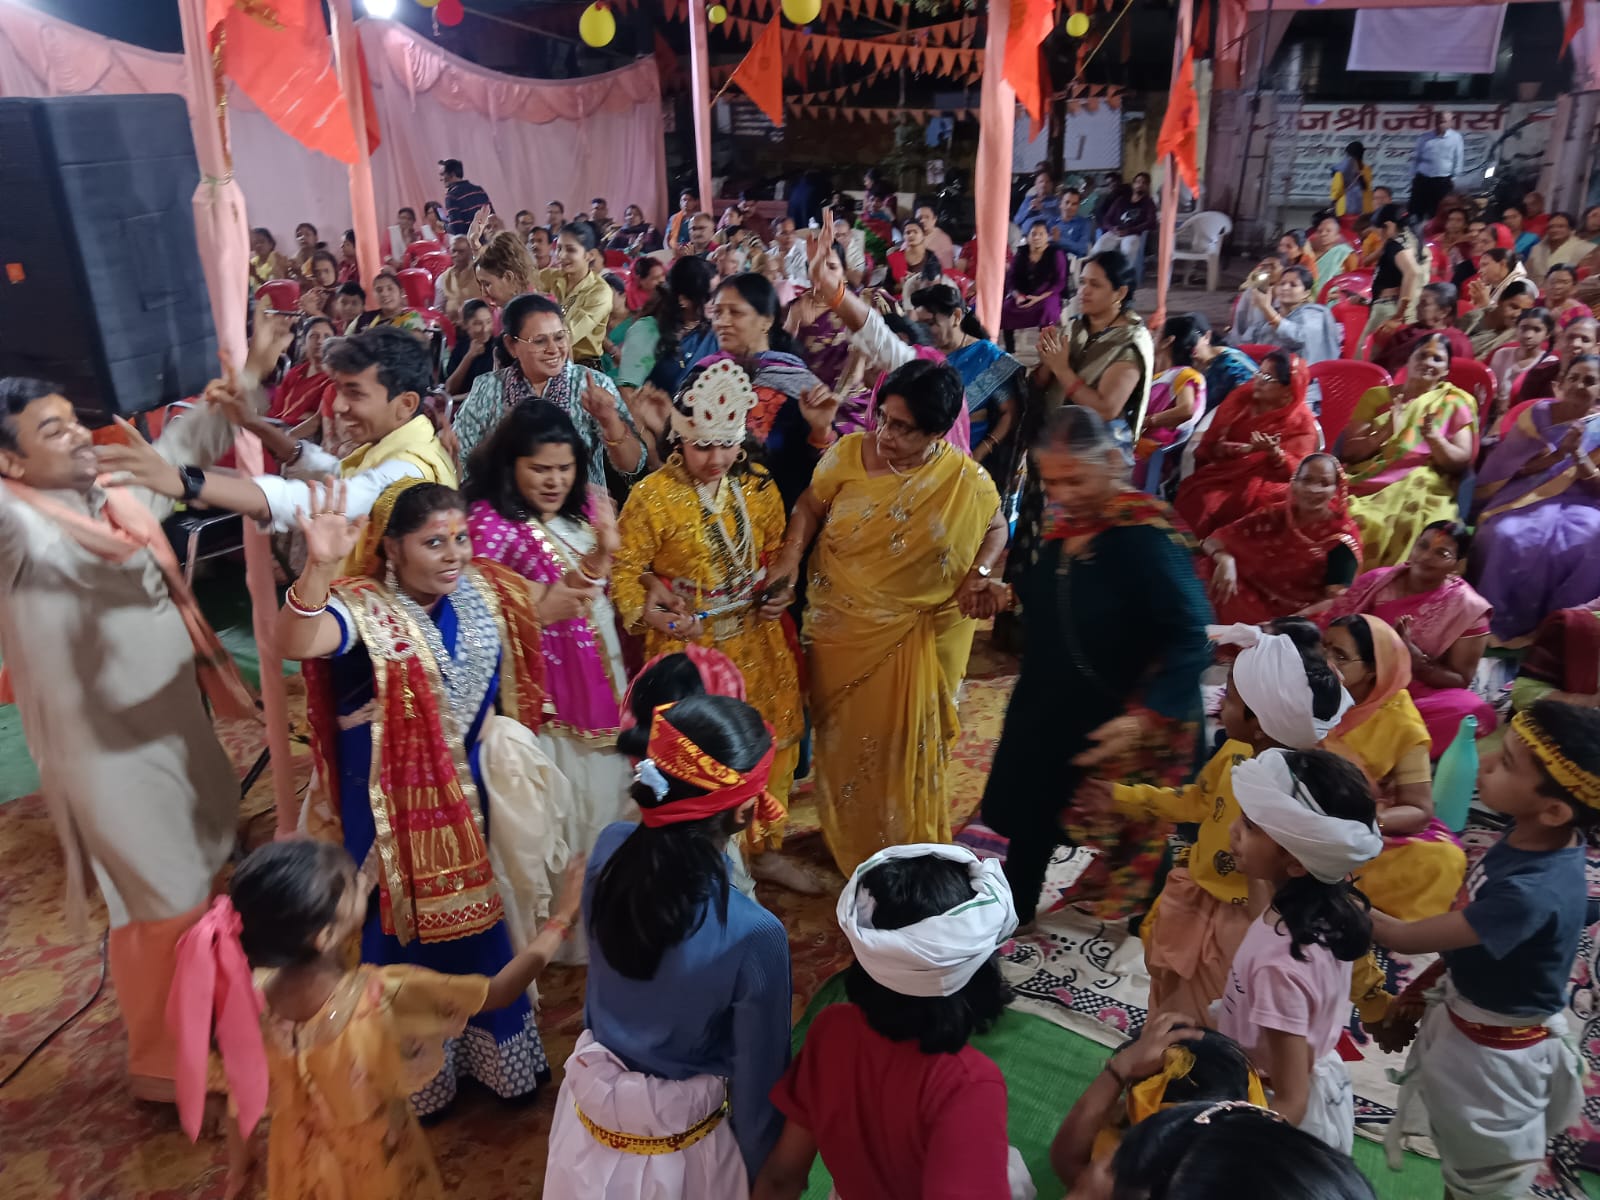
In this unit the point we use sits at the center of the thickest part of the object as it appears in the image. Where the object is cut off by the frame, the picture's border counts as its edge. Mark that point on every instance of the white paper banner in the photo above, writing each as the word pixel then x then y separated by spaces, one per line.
pixel 1453 41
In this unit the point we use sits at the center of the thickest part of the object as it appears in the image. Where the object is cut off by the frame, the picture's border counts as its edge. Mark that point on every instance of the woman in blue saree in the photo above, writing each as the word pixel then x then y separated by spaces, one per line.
pixel 405 667
pixel 1538 508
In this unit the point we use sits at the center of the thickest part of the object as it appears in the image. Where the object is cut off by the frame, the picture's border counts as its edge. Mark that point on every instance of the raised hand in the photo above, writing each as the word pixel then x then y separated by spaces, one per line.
pixel 138 464
pixel 330 535
pixel 827 276
pixel 1148 1055
pixel 1112 740
pixel 269 340
pixel 818 406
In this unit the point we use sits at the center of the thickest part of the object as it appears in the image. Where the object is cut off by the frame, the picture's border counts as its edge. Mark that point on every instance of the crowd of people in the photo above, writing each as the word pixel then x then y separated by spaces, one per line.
pixel 601 542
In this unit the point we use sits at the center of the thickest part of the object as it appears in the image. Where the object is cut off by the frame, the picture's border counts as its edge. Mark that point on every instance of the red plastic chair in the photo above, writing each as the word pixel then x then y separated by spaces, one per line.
pixel 1344 381
pixel 1352 320
pixel 432 318
pixel 1357 283
pixel 280 293
pixel 1470 375
pixel 963 284
pixel 1256 350
pixel 418 287
pixel 616 258
pixel 435 263
pixel 1510 419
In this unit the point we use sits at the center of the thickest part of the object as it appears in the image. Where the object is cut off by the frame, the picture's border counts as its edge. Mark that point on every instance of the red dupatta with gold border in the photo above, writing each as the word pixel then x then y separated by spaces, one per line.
pixel 430 855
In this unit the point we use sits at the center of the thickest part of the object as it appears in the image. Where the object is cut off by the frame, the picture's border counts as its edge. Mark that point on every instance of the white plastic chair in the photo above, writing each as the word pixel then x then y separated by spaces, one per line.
pixel 1199 239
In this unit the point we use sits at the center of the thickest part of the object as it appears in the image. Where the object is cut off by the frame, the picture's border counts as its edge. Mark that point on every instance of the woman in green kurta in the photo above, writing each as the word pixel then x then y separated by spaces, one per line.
pixel 1114 618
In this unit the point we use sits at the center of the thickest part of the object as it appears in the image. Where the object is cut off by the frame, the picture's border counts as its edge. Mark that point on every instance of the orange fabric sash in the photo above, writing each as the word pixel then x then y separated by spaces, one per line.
pixel 434 878
pixel 128 528
pixel 1499 1037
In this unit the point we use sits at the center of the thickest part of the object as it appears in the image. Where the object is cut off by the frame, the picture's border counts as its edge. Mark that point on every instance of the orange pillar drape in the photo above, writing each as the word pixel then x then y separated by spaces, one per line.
pixel 363 204
pixel 223 235
pixel 992 193
pixel 1170 180
pixel 700 91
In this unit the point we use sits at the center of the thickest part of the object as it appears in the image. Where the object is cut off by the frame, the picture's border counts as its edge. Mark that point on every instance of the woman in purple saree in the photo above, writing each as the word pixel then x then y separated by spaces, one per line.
pixel 1538 504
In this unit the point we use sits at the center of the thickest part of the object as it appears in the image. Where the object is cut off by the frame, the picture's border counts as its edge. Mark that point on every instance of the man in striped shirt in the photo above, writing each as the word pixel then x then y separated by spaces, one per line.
pixel 462 198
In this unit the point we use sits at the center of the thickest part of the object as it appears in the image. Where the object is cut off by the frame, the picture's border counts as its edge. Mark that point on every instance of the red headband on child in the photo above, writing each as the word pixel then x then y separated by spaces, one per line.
pixel 674 753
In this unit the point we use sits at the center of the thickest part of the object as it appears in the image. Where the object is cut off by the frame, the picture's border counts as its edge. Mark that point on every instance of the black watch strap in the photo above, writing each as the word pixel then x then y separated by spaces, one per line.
pixel 193 480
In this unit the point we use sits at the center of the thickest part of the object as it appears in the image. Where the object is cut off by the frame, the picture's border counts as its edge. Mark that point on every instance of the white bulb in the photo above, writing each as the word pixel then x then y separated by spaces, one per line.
pixel 382 9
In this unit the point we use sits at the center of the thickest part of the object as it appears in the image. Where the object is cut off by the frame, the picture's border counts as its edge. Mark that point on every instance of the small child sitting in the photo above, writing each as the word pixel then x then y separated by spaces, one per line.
pixel 1307 820
pixel 1492 1076
pixel 1170 1062
pixel 886 1087
pixel 338 1049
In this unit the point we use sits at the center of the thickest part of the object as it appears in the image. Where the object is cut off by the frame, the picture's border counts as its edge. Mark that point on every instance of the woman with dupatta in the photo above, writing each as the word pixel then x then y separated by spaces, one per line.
pixel 908 531
pixel 793 413
pixel 1405 449
pixel 406 667
pixel 1251 449
pixel 1422 864
pixel 1125 708
pixel 1295 554
pixel 1538 501
pixel 1443 622
pixel 534 511
pixel 697 539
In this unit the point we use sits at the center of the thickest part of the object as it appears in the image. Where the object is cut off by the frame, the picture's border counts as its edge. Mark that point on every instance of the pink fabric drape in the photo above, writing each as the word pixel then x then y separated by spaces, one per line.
pixel 996 119
pixel 363 207
pixel 223 234
pixel 700 81
pixel 526 141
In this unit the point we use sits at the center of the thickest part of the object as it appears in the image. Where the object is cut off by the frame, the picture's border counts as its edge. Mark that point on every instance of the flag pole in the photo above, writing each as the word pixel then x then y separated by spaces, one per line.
pixel 700 91
pixel 1170 181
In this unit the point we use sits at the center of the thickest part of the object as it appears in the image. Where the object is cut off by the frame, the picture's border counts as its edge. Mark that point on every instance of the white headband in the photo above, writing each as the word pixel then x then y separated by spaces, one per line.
pixel 936 956
pixel 1270 674
pixel 1279 805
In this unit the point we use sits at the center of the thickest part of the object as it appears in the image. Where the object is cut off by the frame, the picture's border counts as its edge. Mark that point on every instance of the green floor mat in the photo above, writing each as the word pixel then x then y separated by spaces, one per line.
pixel 1048 1067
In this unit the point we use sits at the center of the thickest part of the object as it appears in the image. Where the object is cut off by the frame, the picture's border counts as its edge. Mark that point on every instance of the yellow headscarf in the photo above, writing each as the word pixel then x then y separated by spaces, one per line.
pixel 1149 1096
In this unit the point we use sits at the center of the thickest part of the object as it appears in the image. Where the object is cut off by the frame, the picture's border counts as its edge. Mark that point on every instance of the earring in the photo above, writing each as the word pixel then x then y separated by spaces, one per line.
pixel 742 456
pixel 390 580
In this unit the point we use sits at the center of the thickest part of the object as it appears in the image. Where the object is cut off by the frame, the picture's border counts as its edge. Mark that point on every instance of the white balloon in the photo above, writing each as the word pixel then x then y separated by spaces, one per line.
pixel 382 9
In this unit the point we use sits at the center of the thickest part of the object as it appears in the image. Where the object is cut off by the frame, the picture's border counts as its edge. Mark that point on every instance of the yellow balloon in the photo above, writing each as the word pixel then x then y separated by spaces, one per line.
pixel 1077 25
pixel 802 12
pixel 429 3
pixel 597 26
pixel 716 14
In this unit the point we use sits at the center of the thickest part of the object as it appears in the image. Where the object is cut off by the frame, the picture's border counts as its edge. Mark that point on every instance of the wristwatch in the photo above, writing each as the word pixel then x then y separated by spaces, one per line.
pixel 193 479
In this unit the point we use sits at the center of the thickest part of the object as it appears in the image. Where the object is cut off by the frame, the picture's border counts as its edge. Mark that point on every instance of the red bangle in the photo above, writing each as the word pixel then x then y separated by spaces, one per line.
pixel 560 926
pixel 1077 386
pixel 838 299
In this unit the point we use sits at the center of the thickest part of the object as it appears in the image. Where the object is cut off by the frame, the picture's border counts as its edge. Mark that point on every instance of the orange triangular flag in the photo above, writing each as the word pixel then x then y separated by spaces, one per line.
pixel 1574 23
pixel 1180 127
pixel 760 75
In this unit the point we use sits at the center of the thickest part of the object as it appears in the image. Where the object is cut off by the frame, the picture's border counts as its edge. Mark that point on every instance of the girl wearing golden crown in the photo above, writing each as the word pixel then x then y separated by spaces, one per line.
pixel 705 525
pixel 407 667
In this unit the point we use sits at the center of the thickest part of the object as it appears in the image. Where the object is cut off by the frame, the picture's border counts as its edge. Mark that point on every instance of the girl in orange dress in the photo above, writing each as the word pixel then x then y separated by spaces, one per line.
pixel 338 1050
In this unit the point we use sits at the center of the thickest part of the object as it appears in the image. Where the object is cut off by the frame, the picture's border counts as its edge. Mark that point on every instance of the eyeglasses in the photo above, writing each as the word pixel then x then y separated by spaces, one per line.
pixel 1342 659
pixel 899 429
pixel 544 341
pixel 1269 377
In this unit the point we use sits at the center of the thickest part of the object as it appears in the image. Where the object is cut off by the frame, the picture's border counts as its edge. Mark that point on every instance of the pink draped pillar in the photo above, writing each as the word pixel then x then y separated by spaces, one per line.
pixel 363 204
pixel 1170 182
pixel 992 194
pixel 223 235
pixel 700 90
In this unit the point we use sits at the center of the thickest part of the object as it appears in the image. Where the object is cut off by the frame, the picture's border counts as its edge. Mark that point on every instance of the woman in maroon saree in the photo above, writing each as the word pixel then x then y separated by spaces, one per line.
pixel 1297 553
pixel 1564 661
pixel 1245 460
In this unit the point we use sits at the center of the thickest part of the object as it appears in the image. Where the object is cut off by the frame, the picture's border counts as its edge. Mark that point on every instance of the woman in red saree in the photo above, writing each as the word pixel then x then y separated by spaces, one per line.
pixel 307 384
pixel 1298 553
pixel 1258 437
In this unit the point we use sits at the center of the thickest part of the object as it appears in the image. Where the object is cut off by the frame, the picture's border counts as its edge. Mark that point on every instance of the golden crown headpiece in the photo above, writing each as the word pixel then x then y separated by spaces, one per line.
pixel 713 409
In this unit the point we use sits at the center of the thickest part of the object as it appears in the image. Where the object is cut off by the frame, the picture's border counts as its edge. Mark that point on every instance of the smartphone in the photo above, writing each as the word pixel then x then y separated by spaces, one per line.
pixel 775 587
pixel 284 312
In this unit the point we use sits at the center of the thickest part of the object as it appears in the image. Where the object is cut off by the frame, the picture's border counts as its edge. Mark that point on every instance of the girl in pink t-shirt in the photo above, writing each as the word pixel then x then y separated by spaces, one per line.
pixel 1308 820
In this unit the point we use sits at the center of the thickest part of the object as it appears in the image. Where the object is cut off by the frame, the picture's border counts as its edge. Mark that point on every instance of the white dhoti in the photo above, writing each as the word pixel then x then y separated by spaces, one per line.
pixel 1331 1106
pixel 1489 1109
pixel 583 1164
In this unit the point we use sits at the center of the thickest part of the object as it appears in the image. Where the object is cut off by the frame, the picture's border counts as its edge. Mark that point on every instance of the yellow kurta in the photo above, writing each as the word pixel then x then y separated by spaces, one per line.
pixel 342 1126
pixel 888 646
pixel 665 530
pixel 1418 875
pixel 1196 924
pixel 586 307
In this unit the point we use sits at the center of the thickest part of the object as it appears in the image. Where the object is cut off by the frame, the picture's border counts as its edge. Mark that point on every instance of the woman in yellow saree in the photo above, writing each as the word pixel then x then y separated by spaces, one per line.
pixel 908 531
pixel 1405 451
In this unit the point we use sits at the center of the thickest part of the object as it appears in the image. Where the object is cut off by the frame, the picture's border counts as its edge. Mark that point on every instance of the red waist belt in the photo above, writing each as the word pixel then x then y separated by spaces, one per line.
pixel 1499 1037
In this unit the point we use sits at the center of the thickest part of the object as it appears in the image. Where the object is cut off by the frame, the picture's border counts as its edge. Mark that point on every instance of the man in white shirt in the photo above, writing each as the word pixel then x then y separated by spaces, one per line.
pixel 936 239
pixel 1440 156
pixel 381 376
pixel 790 251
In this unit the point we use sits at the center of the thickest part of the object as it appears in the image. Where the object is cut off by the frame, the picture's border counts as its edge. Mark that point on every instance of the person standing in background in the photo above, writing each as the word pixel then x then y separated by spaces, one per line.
pixel 1440 156
pixel 1351 189
pixel 462 199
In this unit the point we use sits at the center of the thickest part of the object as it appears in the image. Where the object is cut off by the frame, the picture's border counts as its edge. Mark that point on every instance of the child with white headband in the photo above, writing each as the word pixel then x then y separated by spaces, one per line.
pixel 1281 694
pixel 1307 820
pixel 886 1087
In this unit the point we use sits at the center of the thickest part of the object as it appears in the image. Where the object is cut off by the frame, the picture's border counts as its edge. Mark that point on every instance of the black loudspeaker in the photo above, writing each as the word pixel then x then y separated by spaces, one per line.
pixel 102 291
